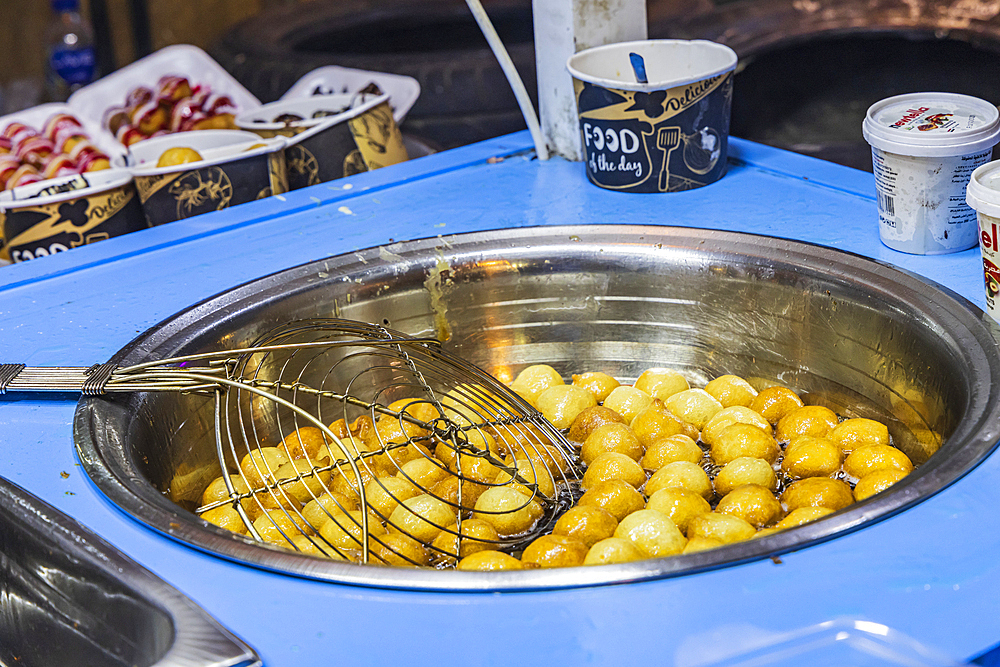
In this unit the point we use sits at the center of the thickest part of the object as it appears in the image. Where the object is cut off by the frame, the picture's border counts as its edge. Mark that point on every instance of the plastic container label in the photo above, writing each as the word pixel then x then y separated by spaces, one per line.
pixel 74 66
pixel 932 119
pixel 921 201
pixel 988 244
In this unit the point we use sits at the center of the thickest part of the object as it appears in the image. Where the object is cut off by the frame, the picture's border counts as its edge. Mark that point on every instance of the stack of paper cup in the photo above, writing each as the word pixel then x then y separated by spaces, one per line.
pixel 925 147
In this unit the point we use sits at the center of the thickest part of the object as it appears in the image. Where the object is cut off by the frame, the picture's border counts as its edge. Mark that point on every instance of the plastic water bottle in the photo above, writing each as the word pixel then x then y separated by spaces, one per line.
pixel 71 59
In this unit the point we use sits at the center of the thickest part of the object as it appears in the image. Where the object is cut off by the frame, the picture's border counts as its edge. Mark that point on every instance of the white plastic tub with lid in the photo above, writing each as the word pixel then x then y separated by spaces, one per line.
pixel 925 147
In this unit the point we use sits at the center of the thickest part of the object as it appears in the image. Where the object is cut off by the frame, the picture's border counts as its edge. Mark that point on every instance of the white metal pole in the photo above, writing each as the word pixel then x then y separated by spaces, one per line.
pixel 563 27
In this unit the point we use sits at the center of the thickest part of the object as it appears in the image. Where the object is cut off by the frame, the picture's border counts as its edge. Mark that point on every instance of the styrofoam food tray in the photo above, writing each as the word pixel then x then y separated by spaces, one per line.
pixel 403 91
pixel 36 117
pixel 93 101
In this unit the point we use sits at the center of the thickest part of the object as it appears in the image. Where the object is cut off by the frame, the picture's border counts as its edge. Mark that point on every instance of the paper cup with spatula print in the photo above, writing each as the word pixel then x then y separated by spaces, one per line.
pixel 666 134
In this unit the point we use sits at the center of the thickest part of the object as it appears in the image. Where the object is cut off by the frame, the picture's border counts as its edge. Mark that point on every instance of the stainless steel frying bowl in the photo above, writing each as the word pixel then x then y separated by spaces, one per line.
pixel 860 337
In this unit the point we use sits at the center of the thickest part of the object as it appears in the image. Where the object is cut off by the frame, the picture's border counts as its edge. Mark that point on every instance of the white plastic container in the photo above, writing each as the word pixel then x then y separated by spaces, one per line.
pixel 983 195
pixel 92 102
pixel 403 91
pixel 925 147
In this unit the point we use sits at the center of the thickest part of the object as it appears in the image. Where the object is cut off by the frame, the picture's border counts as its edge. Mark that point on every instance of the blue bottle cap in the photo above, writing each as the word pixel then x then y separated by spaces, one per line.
pixel 66 5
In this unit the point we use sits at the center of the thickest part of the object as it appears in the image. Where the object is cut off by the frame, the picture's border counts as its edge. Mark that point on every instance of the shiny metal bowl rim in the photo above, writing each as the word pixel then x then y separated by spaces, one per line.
pixel 96 430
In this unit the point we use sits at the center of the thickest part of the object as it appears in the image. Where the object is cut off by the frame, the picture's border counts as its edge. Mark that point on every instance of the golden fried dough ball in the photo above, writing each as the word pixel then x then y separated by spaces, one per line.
pixel 309 482
pixel 653 532
pixel 508 510
pixel 345 481
pixel 802 515
pixel 590 419
pixel 661 383
pixel 745 470
pixel 555 551
pixel 683 474
pixel 385 493
pixel 876 482
pixel 399 550
pixel 679 505
pixel 696 544
pixel 417 408
pixel 317 511
pixel 475 468
pixel 392 430
pixel 611 438
pixel 393 459
pixel 613 465
pixel 344 530
pixel 655 422
pixel 340 428
pixel 481 440
pixel 263 501
pixel 217 490
pixel 448 491
pixel 616 496
pixel 314 546
pixel 741 440
pixel 526 440
pixel 726 417
pixel 587 523
pixel 422 517
pixel 306 442
pixel 753 503
pixel 672 448
pixel 362 428
pixel 597 383
pixel 808 456
pixel 353 441
pixel 261 464
pixel 833 494
pixel 773 403
pixel 866 460
pixel 477 535
pixel 489 560
pixel 532 472
pixel 851 434
pixel 695 406
pixel 533 380
pixel 812 420
pixel 226 517
pixel 562 404
pixel 279 526
pixel 613 550
pixel 178 155
pixel 423 473
pixel 730 390
pixel 724 527
pixel 628 402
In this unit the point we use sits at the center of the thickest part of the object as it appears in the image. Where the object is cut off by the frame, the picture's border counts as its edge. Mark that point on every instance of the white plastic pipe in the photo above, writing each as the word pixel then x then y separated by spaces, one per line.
pixel 520 92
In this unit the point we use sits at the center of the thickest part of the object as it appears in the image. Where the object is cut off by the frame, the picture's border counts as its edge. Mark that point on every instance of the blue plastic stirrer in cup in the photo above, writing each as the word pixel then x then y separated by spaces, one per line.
pixel 639 65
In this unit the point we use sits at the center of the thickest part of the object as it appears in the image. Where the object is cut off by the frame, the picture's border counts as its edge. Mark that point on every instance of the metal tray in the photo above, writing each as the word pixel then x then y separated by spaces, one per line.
pixel 69 598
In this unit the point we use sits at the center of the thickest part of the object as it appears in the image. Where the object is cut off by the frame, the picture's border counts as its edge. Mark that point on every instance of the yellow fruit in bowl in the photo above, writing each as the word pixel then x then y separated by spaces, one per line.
pixel 178 155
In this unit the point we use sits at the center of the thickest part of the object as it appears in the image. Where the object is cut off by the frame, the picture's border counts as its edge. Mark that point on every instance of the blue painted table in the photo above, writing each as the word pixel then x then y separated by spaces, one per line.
pixel 931 573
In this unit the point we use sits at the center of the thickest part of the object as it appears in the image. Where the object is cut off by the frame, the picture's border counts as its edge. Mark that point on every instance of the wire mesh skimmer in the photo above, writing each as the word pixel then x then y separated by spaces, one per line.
pixel 443 458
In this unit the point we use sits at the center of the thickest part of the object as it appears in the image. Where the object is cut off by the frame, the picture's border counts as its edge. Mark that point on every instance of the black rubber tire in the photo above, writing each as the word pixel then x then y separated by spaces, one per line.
pixel 435 41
